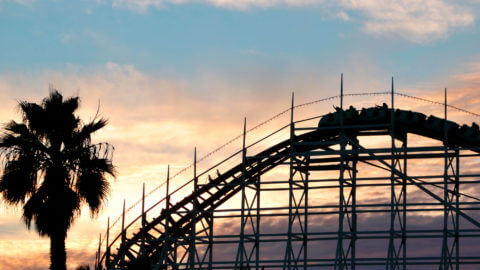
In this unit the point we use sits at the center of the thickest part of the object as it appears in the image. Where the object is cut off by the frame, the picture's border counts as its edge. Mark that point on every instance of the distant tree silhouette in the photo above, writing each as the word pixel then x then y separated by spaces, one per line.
pixel 51 168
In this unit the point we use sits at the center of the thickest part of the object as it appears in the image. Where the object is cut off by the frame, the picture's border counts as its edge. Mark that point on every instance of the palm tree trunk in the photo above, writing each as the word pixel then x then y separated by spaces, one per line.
pixel 58 254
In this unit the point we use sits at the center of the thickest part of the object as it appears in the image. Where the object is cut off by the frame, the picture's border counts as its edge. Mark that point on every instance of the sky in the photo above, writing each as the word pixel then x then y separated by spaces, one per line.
pixel 171 75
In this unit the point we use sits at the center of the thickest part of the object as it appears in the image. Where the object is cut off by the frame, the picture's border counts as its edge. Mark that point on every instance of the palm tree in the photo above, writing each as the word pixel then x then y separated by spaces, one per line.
pixel 51 168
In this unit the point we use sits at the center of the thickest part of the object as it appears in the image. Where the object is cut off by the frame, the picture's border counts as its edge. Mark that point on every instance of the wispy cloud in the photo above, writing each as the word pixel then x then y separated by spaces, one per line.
pixel 139 5
pixel 413 20
pixel 143 5
pixel 416 21
pixel 23 249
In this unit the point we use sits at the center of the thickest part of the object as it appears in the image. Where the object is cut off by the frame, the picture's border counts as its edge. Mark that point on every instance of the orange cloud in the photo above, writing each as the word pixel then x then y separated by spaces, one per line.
pixel 155 121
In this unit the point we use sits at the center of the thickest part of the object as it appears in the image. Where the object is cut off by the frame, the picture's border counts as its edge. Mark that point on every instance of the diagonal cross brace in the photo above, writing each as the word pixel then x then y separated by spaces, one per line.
pixel 411 180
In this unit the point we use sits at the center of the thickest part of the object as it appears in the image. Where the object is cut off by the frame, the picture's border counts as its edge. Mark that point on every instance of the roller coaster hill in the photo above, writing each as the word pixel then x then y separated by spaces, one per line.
pixel 372 188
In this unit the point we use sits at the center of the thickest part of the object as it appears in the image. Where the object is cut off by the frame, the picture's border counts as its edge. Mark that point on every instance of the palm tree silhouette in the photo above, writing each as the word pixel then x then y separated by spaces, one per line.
pixel 51 168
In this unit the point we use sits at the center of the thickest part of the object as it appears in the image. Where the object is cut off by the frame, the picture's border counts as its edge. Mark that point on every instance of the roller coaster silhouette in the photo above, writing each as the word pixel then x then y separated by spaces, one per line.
pixel 345 201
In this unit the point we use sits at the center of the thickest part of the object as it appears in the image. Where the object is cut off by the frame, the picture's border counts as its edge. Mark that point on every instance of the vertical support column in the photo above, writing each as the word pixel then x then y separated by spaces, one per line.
pixel 392 259
pixel 257 231
pixel 107 252
pixel 163 260
pixel 123 224
pixel 298 222
pixel 400 199
pixel 445 251
pixel 241 246
pixel 345 256
pixel 192 251
pixel 249 226
pixel 123 235
pixel 404 203
pixel 450 245
pixel 340 262
pixel 457 206
pixel 166 235
pixel 97 262
pixel 348 210
pixel 289 251
pixel 144 220
pixel 396 257
pixel 167 224
pixel 305 219
pixel 353 203
pixel 210 240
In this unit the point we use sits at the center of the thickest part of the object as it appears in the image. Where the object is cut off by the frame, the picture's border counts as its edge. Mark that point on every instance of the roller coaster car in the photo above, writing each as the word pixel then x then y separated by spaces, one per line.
pixel 469 134
pixel 377 114
pixel 333 119
pixel 409 117
pixel 374 115
pixel 436 125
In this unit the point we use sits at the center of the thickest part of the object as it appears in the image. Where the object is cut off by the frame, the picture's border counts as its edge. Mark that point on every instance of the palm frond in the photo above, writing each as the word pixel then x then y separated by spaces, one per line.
pixel 33 116
pixel 93 188
pixel 102 150
pixel 32 208
pixel 17 128
pixel 100 165
pixel 92 184
pixel 19 179
pixel 53 101
pixel 19 142
pixel 83 135
pixel 71 105
pixel 20 136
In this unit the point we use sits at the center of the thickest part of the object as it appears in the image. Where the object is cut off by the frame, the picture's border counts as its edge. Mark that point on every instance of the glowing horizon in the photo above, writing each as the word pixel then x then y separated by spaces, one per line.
pixel 174 75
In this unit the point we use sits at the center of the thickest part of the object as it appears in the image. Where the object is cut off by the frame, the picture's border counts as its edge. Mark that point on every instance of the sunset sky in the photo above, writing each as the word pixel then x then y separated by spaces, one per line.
pixel 174 74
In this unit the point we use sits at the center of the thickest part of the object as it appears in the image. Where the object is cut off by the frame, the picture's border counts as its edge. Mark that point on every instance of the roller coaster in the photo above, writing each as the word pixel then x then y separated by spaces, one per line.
pixel 330 196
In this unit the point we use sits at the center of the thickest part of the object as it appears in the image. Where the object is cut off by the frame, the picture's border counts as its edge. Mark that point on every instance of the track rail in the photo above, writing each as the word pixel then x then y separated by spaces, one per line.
pixel 147 244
